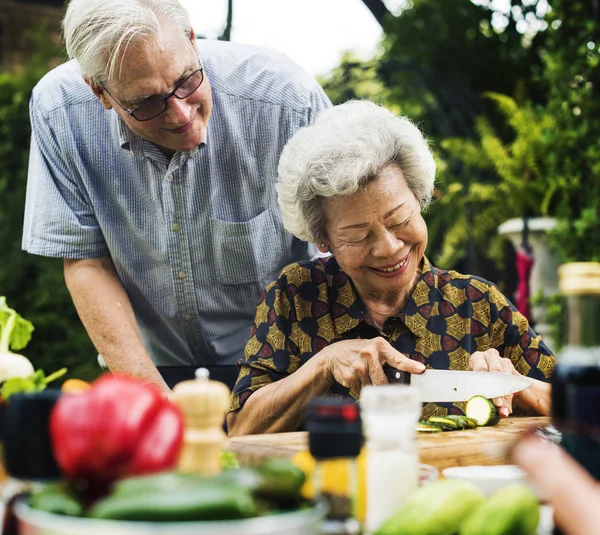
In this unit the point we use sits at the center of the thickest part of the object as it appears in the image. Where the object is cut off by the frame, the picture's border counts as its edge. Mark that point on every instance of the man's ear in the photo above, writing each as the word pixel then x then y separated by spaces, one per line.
pixel 192 36
pixel 99 92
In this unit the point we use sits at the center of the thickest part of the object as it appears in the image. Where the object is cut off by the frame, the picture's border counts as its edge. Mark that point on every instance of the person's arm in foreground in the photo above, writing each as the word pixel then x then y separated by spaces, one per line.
pixel 572 492
pixel 281 405
pixel 106 313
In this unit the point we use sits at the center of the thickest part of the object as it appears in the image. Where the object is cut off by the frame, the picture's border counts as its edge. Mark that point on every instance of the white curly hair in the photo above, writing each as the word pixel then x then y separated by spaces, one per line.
pixel 346 147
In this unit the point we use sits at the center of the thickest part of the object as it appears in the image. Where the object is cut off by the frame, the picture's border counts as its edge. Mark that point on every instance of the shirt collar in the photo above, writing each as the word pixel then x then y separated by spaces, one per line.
pixel 348 310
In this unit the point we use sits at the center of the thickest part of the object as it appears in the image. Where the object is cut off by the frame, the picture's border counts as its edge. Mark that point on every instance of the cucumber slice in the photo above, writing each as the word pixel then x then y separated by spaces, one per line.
pixel 447 424
pixel 425 428
pixel 482 410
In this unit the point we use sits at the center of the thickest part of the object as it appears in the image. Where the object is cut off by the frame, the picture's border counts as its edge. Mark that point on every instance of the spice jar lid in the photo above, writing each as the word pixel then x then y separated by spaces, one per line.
pixel 579 278
pixel 334 428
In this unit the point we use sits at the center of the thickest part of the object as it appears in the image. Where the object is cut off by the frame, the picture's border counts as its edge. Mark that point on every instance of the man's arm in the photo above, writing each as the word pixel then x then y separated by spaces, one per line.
pixel 106 313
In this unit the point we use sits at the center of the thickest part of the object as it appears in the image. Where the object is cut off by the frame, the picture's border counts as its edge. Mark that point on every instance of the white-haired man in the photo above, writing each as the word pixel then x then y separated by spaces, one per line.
pixel 152 170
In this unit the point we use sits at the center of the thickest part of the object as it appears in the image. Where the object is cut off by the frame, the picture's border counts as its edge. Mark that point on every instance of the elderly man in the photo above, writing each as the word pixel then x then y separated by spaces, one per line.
pixel 152 170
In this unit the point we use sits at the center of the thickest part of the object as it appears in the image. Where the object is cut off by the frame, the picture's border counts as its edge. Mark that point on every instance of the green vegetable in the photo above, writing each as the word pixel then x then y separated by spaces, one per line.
pixel 15 333
pixel 281 482
pixel 160 482
pixel 513 510
pixel 35 382
pixel 229 460
pixel 435 509
pixel 209 500
pixel 425 427
pixel 451 422
pixel 446 424
pixel 57 498
pixel 482 410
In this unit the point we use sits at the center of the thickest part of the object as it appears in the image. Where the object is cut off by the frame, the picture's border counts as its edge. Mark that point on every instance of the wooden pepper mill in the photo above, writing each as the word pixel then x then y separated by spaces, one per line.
pixel 203 404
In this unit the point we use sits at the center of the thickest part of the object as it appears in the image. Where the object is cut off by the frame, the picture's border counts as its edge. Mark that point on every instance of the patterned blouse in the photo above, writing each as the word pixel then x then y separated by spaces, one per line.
pixel 448 317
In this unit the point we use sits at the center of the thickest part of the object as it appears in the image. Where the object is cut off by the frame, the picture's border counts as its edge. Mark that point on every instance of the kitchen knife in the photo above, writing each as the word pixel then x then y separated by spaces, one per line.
pixel 451 385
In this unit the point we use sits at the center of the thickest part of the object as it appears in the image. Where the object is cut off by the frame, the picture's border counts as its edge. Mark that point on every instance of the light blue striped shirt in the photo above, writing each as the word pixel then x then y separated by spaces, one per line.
pixel 195 239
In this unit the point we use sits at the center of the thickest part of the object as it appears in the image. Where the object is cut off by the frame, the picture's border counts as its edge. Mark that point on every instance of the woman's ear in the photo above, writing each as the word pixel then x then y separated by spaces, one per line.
pixel 323 247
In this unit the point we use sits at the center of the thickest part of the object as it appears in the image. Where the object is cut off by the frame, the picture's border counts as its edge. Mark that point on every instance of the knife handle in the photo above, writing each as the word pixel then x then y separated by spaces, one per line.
pixel 395 376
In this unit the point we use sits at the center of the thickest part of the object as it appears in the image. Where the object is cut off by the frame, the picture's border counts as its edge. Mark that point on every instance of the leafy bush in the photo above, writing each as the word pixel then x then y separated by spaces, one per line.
pixel 34 285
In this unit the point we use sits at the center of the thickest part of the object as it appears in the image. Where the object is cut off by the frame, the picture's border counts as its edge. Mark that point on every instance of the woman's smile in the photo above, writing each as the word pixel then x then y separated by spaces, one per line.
pixel 392 270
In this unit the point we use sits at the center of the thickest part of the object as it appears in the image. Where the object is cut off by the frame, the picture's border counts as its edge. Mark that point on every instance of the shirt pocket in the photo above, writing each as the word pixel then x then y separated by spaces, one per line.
pixel 247 252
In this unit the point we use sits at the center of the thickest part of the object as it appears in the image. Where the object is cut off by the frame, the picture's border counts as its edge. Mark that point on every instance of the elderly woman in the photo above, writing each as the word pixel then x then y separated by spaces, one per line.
pixel 356 182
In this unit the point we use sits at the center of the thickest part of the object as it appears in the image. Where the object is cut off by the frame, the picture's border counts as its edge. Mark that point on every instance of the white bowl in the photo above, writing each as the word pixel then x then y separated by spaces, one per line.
pixel 491 478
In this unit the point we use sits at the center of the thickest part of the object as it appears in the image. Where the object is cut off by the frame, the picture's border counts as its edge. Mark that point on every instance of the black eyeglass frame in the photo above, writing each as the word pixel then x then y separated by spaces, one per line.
pixel 164 99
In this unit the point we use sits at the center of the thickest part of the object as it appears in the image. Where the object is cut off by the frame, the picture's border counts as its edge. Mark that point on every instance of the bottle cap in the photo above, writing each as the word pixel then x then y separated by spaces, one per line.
pixel 579 278
pixel 334 428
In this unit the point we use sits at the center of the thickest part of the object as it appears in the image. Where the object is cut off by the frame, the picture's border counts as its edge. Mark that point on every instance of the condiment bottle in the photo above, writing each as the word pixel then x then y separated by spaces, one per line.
pixel 576 380
pixel 203 403
pixel 335 438
pixel 390 414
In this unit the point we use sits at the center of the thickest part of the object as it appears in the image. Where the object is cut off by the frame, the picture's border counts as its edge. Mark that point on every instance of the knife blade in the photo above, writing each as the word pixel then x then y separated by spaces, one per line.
pixel 452 385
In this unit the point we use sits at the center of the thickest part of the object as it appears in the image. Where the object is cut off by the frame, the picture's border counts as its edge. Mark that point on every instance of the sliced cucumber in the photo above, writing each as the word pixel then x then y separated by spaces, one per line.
pixel 426 428
pixel 482 410
pixel 447 424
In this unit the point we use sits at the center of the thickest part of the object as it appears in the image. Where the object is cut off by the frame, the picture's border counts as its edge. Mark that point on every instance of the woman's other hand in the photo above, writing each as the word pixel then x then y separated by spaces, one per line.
pixel 572 492
pixel 356 363
pixel 491 361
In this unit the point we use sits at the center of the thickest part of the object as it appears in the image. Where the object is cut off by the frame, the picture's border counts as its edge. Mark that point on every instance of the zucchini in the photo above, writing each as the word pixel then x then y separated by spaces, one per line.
pixel 482 410
pixel 447 424
pixel 209 501
pixel 428 428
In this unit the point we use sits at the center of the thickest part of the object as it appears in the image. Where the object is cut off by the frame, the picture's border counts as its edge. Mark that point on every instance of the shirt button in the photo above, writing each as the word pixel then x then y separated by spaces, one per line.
pixel 181 274
pixel 175 227
pixel 188 317
pixel 169 178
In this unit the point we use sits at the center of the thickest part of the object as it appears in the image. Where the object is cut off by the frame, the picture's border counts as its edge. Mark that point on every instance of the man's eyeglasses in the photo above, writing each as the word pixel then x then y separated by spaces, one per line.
pixel 156 107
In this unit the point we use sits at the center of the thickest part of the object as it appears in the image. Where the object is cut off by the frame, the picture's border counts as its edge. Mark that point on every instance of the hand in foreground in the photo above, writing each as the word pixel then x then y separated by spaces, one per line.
pixel 491 361
pixel 572 492
pixel 356 363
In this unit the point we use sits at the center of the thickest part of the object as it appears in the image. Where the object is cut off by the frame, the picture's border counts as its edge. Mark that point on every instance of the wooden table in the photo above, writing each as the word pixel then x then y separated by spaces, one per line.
pixel 481 446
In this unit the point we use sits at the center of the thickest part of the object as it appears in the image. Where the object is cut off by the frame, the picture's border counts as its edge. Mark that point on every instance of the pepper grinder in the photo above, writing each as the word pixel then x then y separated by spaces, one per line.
pixel 203 403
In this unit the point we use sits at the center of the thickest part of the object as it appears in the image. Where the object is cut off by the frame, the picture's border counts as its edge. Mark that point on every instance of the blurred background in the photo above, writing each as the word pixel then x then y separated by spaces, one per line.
pixel 506 90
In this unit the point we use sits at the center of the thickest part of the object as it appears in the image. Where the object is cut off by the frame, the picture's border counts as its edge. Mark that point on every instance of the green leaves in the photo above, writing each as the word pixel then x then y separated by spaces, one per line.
pixel 15 331
pixel 36 382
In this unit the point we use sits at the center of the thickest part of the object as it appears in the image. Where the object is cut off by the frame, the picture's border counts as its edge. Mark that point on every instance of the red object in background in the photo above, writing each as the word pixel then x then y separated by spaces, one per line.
pixel 120 427
pixel 522 294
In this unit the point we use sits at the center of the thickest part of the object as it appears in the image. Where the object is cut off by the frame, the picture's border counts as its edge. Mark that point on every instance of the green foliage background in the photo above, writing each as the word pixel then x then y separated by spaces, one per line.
pixel 34 286
pixel 511 115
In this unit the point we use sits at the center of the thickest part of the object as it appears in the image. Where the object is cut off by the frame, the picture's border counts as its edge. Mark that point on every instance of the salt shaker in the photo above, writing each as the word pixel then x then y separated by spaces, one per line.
pixel 390 414
pixel 203 403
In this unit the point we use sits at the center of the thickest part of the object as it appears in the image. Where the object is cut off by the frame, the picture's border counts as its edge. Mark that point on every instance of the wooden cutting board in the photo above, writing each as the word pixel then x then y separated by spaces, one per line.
pixel 481 446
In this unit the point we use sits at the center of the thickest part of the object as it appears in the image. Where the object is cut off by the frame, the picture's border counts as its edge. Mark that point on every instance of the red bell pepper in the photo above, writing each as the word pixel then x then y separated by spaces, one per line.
pixel 120 427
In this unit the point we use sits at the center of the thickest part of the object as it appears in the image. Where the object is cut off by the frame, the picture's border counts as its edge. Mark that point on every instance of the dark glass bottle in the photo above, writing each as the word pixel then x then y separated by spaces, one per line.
pixel 576 380
pixel 335 439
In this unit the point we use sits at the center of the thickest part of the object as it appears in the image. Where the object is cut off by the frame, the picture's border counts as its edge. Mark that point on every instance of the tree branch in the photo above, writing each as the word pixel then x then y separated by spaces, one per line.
pixel 378 9
pixel 226 35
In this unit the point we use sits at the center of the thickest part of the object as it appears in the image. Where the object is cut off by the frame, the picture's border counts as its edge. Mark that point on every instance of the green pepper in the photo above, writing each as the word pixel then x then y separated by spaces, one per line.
pixel 209 501
pixel 57 498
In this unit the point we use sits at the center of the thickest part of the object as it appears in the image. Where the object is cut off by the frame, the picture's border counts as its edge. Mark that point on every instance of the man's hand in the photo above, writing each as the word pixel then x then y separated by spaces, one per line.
pixel 572 492
pixel 356 363
pixel 491 361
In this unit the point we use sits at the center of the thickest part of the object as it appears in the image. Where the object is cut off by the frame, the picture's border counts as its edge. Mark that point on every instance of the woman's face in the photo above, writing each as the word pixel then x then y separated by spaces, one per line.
pixel 378 235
